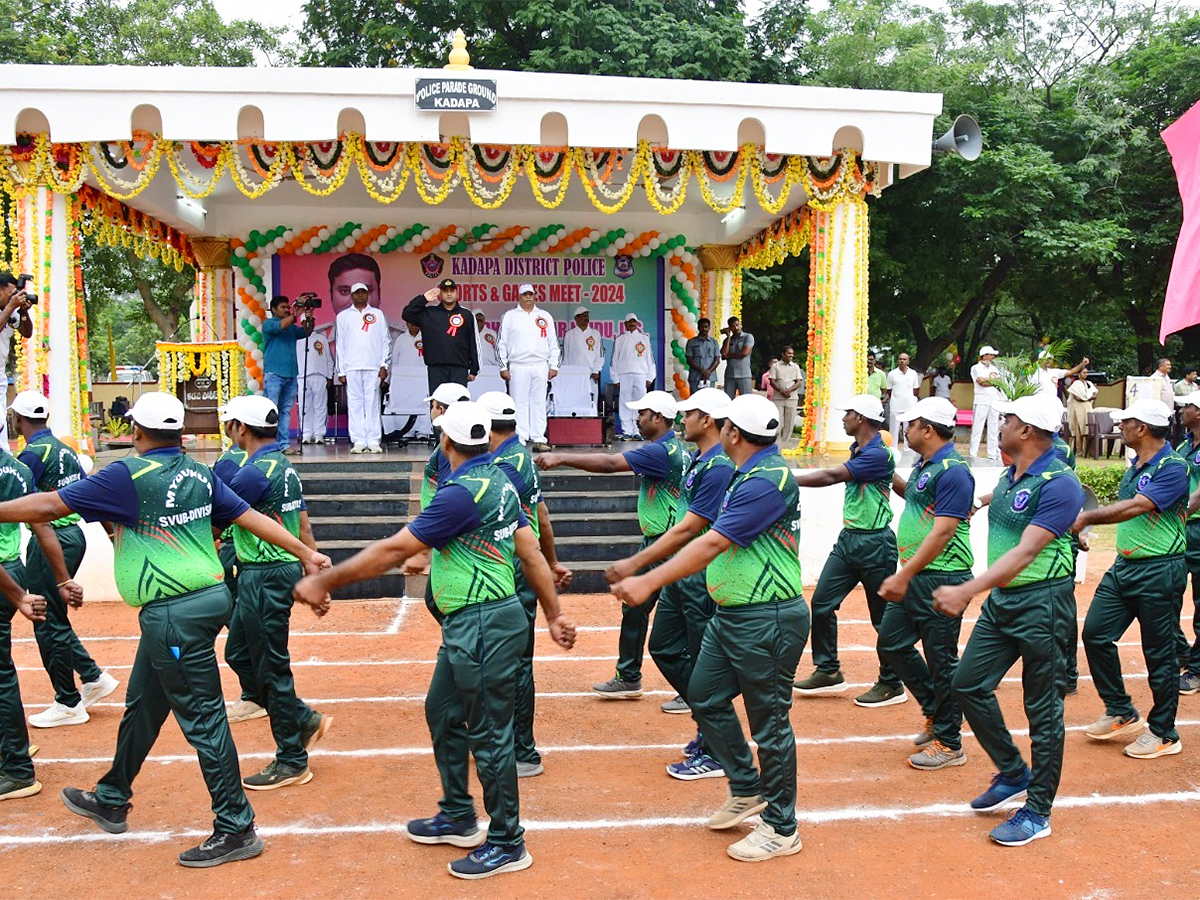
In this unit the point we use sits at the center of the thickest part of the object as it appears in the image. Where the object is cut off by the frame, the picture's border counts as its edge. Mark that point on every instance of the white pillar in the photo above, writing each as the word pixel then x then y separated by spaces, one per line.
pixel 63 391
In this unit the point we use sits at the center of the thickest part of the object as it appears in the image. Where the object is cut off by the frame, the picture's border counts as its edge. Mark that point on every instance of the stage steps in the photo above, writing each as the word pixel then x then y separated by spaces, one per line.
pixel 352 503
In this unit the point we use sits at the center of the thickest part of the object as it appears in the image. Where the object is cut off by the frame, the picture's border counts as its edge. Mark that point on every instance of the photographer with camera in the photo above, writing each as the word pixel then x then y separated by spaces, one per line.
pixel 289 323
pixel 16 298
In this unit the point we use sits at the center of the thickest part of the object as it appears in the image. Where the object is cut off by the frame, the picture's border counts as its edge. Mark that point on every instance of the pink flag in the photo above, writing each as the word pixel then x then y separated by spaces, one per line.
pixel 1182 306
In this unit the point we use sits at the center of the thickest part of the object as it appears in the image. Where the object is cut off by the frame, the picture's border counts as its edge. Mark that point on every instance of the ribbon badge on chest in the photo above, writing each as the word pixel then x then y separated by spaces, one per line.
pixel 420 345
pixel 368 320
pixel 640 348
pixel 591 343
pixel 319 347
pixel 456 322
pixel 542 324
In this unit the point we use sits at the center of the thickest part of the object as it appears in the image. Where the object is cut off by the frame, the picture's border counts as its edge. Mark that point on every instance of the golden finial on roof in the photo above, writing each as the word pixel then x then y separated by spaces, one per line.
pixel 460 59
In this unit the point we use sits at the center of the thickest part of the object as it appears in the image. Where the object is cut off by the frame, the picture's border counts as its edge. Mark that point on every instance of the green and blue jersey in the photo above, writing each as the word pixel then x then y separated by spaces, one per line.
pixel 54 466
pixel 660 464
pixel 868 502
pixel 939 486
pixel 271 485
pixel 1159 532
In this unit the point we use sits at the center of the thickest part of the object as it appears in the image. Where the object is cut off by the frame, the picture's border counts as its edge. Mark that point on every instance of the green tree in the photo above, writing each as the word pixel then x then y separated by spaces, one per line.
pixel 660 38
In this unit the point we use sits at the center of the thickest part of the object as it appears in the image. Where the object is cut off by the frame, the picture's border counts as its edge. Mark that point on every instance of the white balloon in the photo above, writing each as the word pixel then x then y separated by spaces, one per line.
pixel 407 246
pixel 525 232
pixel 240 251
pixel 585 243
pixel 687 256
pixel 610 250
pixel 323 234
pixel 594 235
pixel 653 243
pixel 553 240
pixel 620 243
pixel 508 245
pixel 444 246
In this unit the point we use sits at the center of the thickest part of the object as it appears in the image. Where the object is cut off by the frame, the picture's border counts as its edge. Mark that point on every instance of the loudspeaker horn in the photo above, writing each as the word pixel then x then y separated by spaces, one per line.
pixel 963 138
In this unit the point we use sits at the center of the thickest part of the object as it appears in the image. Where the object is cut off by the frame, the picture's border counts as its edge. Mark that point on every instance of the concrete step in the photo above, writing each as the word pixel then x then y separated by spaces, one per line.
pixel 395 505
pixel 593 524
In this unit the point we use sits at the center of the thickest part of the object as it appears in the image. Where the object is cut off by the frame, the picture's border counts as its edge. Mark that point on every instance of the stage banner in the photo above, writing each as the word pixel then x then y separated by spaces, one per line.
pixel 610 287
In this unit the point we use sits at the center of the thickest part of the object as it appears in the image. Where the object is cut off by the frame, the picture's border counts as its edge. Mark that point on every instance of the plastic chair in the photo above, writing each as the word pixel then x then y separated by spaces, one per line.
pixel 1102 430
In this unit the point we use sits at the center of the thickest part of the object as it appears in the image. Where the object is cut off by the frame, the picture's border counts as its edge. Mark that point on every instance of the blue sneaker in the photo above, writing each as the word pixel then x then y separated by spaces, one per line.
pixel 441 829
pixel 1003 790
pixel 1021 828
pixel 693 747
pixel 491 860
pixel 699 766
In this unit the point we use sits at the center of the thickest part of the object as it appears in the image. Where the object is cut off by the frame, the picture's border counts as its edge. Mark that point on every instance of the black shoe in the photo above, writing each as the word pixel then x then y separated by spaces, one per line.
pixel 14 789
pixel 223 848
pixel 84 803
pixel 315 729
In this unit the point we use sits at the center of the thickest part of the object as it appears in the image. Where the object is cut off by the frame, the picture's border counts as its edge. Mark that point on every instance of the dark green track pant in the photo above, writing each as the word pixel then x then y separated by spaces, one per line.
pixel 928 679
pixel 752 651
pixel 62 652
pixel 175 671
pixel 264 612
pixel 1026 624
pixel 684 608
pixel 1150 591
pixel 635 625
pixel 14 733
pixel 858 557
pixel 237 654
pixel 1189 654
pixel 524 702
pixel 469 710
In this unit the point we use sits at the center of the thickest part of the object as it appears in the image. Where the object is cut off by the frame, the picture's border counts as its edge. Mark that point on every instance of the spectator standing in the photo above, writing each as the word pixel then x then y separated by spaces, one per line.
pixel 1162 381
pixel 1080 397
pixel 528 354
pixel 487 338
pixel 788 381
pixel 986 411
pixel 633 368
pixel 876 378
pixel 448 332
pixel 14 319
pixel 942 382
pixel 1187 384
pixel 582 345
pixel 703 355
pixel 739 379
pixel 903 384
pixel 362 361
pixel 281 333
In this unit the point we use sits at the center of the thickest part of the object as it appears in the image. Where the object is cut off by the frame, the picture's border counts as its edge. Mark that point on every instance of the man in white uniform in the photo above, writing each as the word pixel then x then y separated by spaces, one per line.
pixel 315 368
pixel 528 354
pixel 362 361
pixel 1048 377
pixel 407 351
pixel 634 370
pixel 985 409
pixel 582 345
pixel 15 304
pixel 903 384
pixel 486 338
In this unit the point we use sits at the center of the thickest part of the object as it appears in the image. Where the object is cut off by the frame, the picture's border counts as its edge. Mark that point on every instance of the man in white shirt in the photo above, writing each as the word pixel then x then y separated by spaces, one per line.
pixel 527 351
pixel 634 369
pixel 582 345
pixel 1162 381
pixel 407 349
pixel 487 340
pixel 1048 377
pixel 362 360
pixel 315 368
pixel 986 411
pixel 903 384
pixel 788 381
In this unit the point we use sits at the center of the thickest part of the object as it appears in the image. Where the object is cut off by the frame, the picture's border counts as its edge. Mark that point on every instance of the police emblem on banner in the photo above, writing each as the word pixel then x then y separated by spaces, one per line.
pixel 431 266
pixel 923 481
pixel 623 267
pixel 1021 500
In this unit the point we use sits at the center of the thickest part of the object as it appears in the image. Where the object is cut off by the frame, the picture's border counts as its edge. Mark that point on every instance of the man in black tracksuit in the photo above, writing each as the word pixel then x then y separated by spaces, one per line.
pixel 448 330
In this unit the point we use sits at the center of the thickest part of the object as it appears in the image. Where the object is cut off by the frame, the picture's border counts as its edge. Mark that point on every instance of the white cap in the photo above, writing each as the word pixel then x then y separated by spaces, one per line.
pixel 657 401
pixel 865 405
pixel 465 423
pixel 448 393
pixel 712 401
pixel 525 289
pixel 581 311
pixel 632 317
pixel 480 312
pixel 989 350
pixel 357 286
pixel 253 410
pixel 31 405
pixel 1152 412
pixel 933 409
pixel 1040 410
pixel 1192 399
pixel 158 410
pixel 498 405
pixel 754 414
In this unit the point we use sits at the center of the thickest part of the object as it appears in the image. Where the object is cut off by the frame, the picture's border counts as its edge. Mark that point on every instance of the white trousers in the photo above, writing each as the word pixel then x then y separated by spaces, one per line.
pixel 986 414
pixel 362 402
pixel 897 429
pixel 527 386
pixel 633 387
pixel 314 410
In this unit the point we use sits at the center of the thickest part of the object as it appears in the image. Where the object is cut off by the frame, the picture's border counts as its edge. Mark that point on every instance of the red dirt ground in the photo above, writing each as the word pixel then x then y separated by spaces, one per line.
pixel 605 820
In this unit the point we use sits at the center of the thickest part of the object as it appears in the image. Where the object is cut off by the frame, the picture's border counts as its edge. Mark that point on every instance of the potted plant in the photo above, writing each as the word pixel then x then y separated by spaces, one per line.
pixel 1018 374
pixel 117 434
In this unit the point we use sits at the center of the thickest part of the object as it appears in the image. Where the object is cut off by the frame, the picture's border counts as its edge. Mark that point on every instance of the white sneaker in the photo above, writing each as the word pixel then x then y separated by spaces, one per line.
pixel 374 448
pixel 244 711
pixel 764 842
pixel 58 714
pixel 358 448
pixel 91 691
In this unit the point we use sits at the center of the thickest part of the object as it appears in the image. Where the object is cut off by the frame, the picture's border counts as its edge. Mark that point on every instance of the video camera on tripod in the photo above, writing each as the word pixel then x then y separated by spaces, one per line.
pixel 308 300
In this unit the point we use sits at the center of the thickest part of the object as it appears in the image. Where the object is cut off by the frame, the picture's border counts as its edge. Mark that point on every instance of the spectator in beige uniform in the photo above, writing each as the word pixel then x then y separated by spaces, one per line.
pixel 788 382
pixel 1080 397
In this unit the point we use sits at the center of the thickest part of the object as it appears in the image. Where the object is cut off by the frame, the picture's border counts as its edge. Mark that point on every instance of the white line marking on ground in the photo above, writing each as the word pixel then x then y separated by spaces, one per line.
pixel 369 752
pixel 806 817
pixel 398 619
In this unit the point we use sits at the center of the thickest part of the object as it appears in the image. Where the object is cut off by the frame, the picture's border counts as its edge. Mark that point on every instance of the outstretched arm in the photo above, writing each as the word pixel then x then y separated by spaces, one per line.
pixel 598 463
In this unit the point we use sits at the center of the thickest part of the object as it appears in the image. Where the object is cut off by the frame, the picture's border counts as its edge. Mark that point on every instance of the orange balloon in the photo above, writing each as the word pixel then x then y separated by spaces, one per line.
pixel 887 437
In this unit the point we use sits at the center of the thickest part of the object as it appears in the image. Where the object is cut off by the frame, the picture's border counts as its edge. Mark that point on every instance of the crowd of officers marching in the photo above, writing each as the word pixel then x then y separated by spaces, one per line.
pixel 719 559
